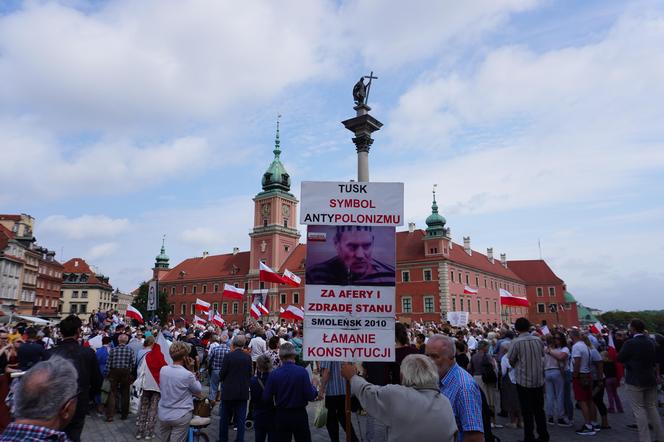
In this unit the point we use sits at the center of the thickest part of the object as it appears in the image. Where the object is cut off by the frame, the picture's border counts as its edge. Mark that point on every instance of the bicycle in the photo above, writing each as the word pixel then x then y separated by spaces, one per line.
pixel 196 426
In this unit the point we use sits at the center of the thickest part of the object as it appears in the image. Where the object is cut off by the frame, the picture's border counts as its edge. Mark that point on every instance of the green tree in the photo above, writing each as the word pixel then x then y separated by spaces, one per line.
pixel 654 319
pixel 141 303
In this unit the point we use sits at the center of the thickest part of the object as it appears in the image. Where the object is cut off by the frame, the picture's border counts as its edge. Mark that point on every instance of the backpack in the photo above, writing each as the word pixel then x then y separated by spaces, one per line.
pixel 488 373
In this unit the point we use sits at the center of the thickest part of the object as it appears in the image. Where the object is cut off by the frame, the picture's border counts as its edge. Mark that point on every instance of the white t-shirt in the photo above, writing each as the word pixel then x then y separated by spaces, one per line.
pixel 581 350
pixel 258 347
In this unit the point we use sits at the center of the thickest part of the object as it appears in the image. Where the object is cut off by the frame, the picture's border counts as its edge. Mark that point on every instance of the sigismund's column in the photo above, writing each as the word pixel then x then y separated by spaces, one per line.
pixel 362 126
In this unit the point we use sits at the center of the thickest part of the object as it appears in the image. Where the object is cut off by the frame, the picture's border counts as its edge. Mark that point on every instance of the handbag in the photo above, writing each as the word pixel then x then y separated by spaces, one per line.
pixel 203 408
pixel 321 416
pixel 488 373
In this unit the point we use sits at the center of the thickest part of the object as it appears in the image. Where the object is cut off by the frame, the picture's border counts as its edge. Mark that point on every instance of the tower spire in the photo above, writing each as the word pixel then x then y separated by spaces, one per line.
pixel 161 261
pixel 277 147
pixel 435 222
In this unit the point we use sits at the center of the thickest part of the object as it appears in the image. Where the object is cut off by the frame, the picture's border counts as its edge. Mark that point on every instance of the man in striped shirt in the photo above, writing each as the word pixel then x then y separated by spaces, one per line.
pixel 215 361
pixel 526 356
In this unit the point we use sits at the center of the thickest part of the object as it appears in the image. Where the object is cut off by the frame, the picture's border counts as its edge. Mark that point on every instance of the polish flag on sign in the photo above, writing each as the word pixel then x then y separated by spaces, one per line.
pixel 254 312
pixel 469 290
pixel 133 313
pixel 506 298
pixel 233 292
pixel 202 306
pixel 596 328
pixel 218 320
pixel 263 309
pixel 293 313
pixel 266 274
pixel 291 278
pixel 199 321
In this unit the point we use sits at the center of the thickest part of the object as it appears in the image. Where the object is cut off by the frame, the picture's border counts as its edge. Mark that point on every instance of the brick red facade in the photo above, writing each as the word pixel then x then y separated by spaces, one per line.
pixel 49 283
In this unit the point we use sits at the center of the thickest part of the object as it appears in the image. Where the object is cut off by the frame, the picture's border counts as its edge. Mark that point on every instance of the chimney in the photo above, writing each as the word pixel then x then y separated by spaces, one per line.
pixel 466 245
pixel 411 227
pixel 489 254
pixel 449 235
pixel 236 250
pixel 503 259
pixel 76 263
pixel 205 254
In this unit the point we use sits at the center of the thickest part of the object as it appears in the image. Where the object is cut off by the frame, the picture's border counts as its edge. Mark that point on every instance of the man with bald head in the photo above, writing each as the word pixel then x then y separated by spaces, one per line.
pixel 45 402
pixel 120 366
pixel 459 387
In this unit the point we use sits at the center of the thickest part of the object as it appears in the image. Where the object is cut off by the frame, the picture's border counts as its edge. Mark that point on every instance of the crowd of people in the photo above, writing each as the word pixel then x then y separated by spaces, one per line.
pixel 446 383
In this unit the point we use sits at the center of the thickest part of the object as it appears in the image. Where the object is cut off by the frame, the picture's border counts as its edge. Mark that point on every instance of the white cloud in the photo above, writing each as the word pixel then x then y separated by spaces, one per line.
pixel 102 250
pixel 202 236
pixel 83 227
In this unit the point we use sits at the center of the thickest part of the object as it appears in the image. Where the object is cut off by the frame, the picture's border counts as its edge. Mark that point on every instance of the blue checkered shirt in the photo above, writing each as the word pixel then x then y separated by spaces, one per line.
pixel 464 395
pixel 336 385
pixel 121 357
pixel 31 433
pixel 216 356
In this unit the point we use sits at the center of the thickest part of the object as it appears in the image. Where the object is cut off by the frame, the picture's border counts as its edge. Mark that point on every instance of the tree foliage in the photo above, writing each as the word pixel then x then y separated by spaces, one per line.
pixel 654 319
pixel 141 303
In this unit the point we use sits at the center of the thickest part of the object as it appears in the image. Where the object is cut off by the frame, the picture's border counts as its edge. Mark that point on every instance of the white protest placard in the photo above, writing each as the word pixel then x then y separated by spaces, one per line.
pixel 457 319
pixel 359 204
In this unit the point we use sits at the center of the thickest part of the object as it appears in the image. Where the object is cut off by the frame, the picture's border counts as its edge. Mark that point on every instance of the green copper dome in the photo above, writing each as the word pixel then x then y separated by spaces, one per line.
pixel 276 177
pixel 435 221
pixel 162 259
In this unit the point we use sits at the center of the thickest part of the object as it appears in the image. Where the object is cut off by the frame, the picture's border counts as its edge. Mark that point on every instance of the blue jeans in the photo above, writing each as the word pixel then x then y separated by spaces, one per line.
pixel 555 384
pixel 567 396
pixel 214 384
pixel 239 409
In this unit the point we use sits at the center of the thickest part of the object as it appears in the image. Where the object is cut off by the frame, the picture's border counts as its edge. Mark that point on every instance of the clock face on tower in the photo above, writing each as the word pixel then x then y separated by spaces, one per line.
pixel 285 209
pixel 266 209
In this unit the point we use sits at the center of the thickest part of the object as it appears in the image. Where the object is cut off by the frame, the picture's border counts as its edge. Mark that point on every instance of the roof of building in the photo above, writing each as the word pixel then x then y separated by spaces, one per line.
pixel 10 217
pixel 78 265
pixel 5 236
pixel 211 266
pixel 569 297
pixel 534 271
pixel 295 261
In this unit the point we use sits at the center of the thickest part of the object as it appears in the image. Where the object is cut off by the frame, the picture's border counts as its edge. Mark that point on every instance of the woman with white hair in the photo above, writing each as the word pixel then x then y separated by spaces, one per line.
pixel 428 415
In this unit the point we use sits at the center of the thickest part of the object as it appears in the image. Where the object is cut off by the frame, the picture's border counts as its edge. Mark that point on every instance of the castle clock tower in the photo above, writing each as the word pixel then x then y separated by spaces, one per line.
pixel 275 234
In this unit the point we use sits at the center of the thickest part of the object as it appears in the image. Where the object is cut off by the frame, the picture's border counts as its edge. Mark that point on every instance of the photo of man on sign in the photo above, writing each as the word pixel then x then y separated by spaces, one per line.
pixel 350 255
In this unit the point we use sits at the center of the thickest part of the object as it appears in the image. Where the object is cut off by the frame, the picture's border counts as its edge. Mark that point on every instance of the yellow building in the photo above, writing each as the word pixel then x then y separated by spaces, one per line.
pixel 84 291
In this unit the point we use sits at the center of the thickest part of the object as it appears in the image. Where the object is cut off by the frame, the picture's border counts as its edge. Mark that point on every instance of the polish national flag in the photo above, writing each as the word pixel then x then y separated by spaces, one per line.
pixel 263 309
pixel 469 290
pixel 164 345
pixel 293 313
pixel 202 306
pixel 133 313
pixel 218 320
pixel 506 298
pixel 291 278
pixel 266 274
pixel 233 292
pixel 254 312
pixel 596 328
pixel 199 321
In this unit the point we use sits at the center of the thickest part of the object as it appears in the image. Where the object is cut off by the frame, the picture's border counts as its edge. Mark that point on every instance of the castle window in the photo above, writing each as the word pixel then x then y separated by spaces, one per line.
pixel 405 276
pixel 406 304
pixel 428 304
pixel 427 274
pixel 265 223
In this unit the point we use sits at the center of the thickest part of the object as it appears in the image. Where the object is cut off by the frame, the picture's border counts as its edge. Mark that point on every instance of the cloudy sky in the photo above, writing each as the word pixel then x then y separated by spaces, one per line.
pixel 539 120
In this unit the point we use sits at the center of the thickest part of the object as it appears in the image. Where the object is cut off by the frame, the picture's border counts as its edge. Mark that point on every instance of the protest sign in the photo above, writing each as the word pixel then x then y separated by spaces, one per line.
pixel 457 319
pixel 152 296
pixel 350 272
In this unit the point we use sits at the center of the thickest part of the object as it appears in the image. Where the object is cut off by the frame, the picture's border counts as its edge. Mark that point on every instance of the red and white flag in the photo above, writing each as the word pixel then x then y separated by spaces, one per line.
pixel 293 313
pixel 199 321
pixel 254 312
pixel 202 306
pixel 164 345
pixel 291 278
pixel 233 292
pixel 133 313
pixel 506 298
pixel 218 320
pixel 266 274
pixel 545 330
pixel 263 309
pixel 596 328
pixel 469 290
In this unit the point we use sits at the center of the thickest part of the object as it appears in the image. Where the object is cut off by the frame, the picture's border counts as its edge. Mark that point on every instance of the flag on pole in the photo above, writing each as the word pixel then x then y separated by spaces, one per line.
pixel 545 330
pixel 199 321
pixel 266 274
pixel 218 320
pixel 596 328
pixel 211 314
pixel 469 290
pixel 233 292
pixel 133 313
pixel 506 298
pixel 293 313
pixel 164 345
pixel 202 306
pixel 291 278
pixel 254 312
pixel 263 309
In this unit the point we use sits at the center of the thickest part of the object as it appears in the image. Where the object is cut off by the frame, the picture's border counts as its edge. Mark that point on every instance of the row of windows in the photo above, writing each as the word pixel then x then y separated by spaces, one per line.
pixel 426 275
pixel 492 283
pixel 283 301
pixel 467 305
pixel 540 291
pixel 84 294
pixel 41 302
pixel 49 271
pixel 235 307
pixel 204 288
pixel 407 304
pixel 553 307
pixel 48 286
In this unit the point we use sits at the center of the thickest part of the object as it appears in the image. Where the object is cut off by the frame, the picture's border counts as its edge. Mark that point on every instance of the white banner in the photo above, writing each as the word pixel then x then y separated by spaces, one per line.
pixel 348 339
pixel 358 204
pixel 457 319
pixel 152 296
pixel 350 301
